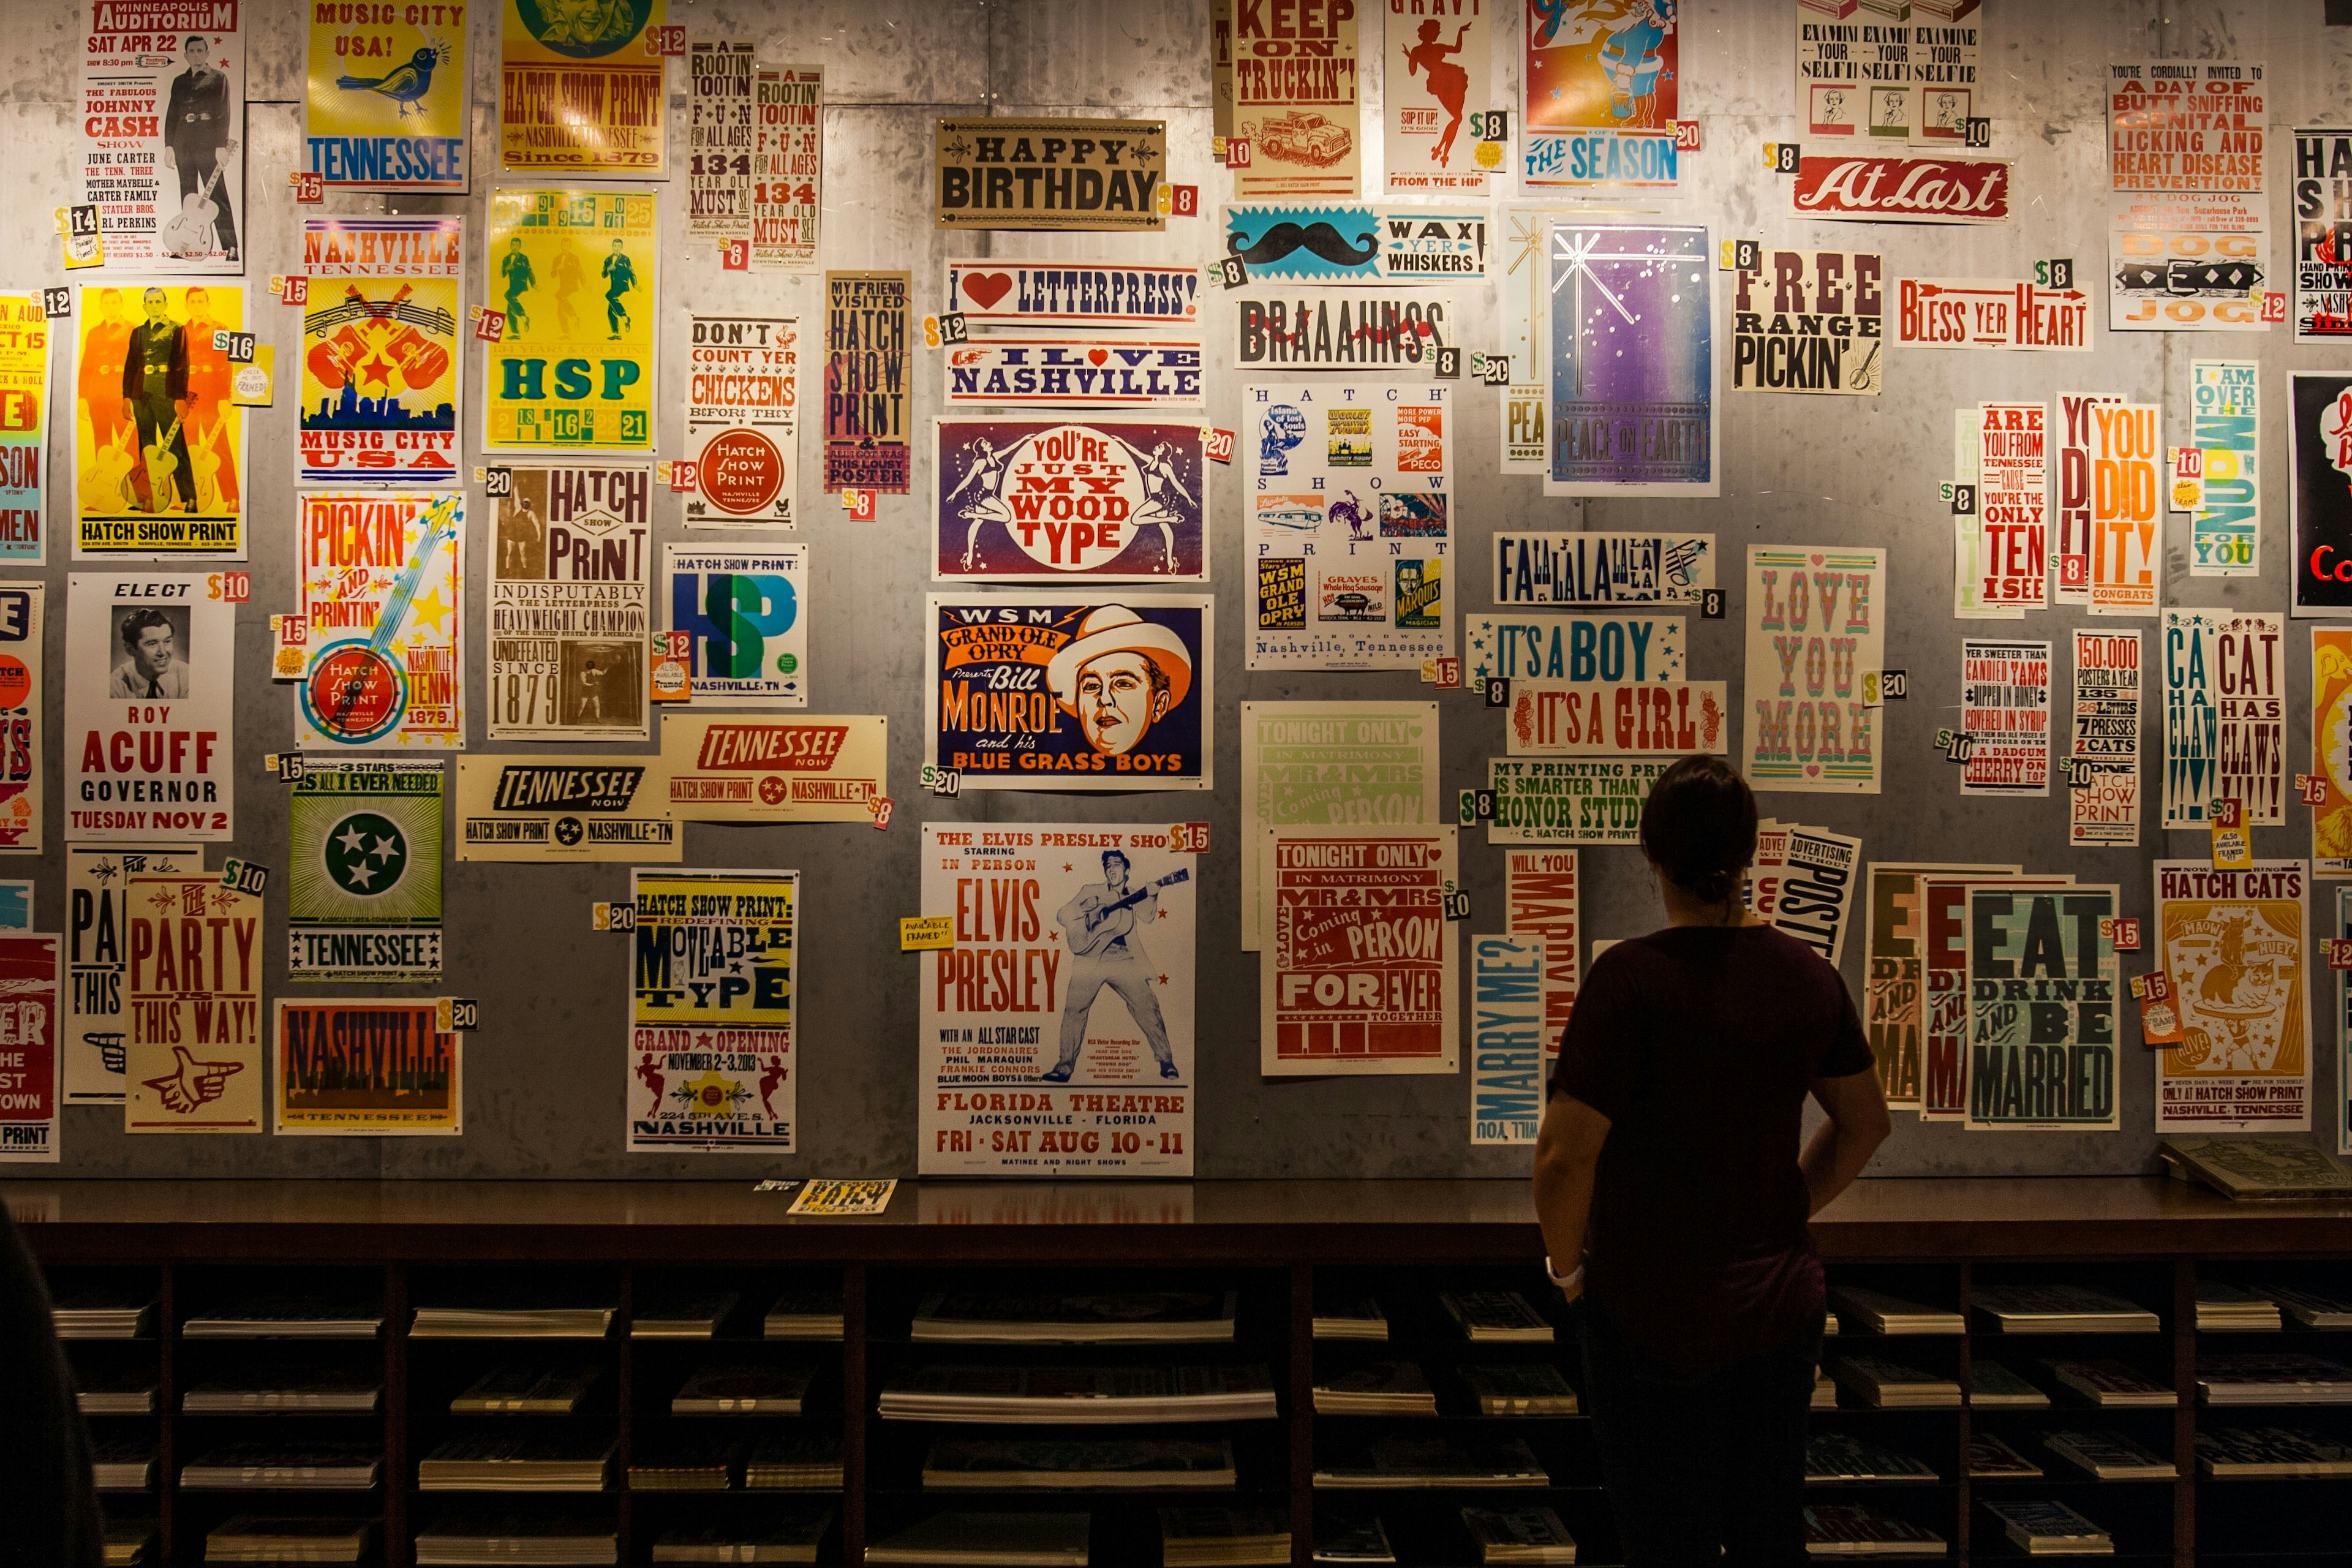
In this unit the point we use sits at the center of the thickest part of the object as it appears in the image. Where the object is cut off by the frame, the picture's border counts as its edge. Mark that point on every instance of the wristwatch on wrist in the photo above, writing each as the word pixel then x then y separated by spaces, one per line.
pixel 1574 1278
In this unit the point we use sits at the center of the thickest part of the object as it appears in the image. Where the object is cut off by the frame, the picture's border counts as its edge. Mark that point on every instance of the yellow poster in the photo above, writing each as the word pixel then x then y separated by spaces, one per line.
pixel 581 87
pixel 389 98
pixel 158 447
pixel 575 273
pixel 24 428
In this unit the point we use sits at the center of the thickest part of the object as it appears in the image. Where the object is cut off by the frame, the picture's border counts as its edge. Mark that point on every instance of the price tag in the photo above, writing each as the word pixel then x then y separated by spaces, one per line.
pixel 2057 272
pixel 1229 272
pixel 1220 444
pixel 1783 157
pixel 56 303
pixel 1184 201
pixel 734 255
pixel 1491 125
pixel 1449 364
pixel 1687 138
pixel 2122 932
pixel 669 42
pixel 2339 952
pixel 490 326
pixel 1457 905
pixel 310 185
pixel 1494 370
pixel 289 640
pixel 1894 685
pixel 2312 787
pixel 1449 673
pixel 859 505
pixel 2273 305
pixel 2233 842
pixel 948 327
pixel 618 915
pixel 2187 477
pixel 671 678
pixel 685 474
pixel 244 876
pixel 78 231
pixel 229 588
pixel 456 1016
pixel 1964 500
pixel 1498 691
pixel 2159 1013
pixel 237 346
pixel 2076 772
pixel 497 482
pixel 294 291
pixel 926 933
pixel 284 766
pixel 1710 604
pixel 1977 132
pixel 1188 838
pixel 1237 152
pixel 1957 745
pixel 773 1184
pixel 882 807
pixel 941 781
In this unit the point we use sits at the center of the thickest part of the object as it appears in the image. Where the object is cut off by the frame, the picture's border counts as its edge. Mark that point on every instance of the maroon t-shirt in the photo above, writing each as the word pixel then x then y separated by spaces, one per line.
pixel 1699 1044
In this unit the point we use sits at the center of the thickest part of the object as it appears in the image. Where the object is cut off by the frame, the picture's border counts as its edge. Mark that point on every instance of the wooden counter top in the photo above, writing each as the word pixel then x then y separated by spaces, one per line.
pixel 1266 1222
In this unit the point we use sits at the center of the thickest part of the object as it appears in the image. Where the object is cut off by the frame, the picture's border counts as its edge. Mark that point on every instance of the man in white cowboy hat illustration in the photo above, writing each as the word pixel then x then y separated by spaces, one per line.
pixel 1119 676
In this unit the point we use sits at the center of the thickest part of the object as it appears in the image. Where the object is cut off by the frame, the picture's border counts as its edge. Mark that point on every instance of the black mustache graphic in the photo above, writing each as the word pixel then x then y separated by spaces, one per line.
pixel 1320 238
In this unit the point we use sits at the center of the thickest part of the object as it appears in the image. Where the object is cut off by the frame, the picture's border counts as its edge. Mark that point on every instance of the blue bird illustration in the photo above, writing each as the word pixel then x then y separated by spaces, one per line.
pixel 404 85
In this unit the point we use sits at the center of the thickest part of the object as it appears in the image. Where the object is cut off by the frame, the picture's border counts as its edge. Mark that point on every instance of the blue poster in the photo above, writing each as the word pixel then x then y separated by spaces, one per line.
pixel 1633 370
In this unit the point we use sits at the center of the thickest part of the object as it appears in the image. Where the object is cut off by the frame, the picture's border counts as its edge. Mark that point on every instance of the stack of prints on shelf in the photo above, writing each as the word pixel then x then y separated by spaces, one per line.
pixel 1885 1386
pixel 527 1390
pixel 1885 1314
pixel 743 1391
pixel 1383 1388
pixel 1497 1317
pixel 283 1465
pixel 1519 1535
pixel 2226 1309
pixel 1026 1464
pixel 797 1462
pixel 2257 1168
pixel 1355 1318
pixel 1844 1459
pixel 2050 1530
pixel 102 1312
pixel 804 1314
pixel 2270 1453
pixel 115 1391
pixel 1850 1529
pixel 791 1538
pixel 471 1536
pixel 289 1317
pixel 1992 1387
pixel 248 1539
pixel 264 1390
pixel 683 1317
pixel 1048 1396
pixel 2272 1380
pixel 1197 1537
pixel 2111 1383
pixel 519 1463
pixel 2312 1309
pixel 1132 1317
pixel 989 1541
pixel 123 1464
pixel 2061 1310
pixel 1392 1462
pixel 1352 1539
pixel 513 1319
pixel 682 1465
pixel 1991 1459
pixel 2108 1456
pixel 1519 1388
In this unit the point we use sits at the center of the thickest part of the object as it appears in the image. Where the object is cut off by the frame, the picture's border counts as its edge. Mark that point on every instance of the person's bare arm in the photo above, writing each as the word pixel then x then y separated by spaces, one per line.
pixel 1844 1144
pixel 1568 1150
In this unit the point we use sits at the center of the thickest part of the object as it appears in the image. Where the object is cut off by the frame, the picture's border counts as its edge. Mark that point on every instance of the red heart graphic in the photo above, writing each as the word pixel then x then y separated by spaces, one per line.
pixel 985 289
pixel 1096 356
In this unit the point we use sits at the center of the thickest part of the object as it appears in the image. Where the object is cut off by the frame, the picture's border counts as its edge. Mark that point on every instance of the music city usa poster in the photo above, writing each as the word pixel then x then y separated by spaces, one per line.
pixel 1633 371
pixel 163 133
pixel 193 1062
pixel 1358 969
pixel 158 442
pixel 1107 496
pixel 1601 81
pixel 389 98
pixel 1331 762
pixel 2232 942
pixel 363 875
pixel 380 350
pixel 571 371
pixel 1054 692
pixel 383 612
pixel 1816 640
pixel 712 1064
pixel 1057 1032
pixel 568 617
pixel 150 689
pixel 367 1067
pixel 579 88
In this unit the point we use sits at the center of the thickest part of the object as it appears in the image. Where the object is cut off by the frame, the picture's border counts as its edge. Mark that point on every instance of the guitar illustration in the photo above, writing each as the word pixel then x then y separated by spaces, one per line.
pixel 112 469
pixel 190 232
pixel 1094 925
pixel 161 470
pixel 440 530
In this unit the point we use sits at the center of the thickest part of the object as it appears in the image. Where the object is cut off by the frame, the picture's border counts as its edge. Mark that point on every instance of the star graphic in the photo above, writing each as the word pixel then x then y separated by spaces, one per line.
pixel 432 610
pixel 359 874
pixel 351 840
pixel 702 1040
pixel 1065 864
pixel 384 849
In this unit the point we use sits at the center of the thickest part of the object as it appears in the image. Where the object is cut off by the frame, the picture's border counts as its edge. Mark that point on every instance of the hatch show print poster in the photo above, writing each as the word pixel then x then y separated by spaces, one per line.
pixel 2233 944
pixel 1633 369
pixel 1110 497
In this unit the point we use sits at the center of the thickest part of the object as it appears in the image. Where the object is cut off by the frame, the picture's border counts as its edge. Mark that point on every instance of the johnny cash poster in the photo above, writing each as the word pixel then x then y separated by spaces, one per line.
pixel 162 152
pixel 383 612
pixel 1057 1032
pixel 713 1067
pixel 380 350
pixel 2233 942
pixel 1053 691
pixel 1350 527
pixel 1112 498
pixel 570 578
pixel 150 689
pixel 1634 368
pixel 389 99
pixel 159 439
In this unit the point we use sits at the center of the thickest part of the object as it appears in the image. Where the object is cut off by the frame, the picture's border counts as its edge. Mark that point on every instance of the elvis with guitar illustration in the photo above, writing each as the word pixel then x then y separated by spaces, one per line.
pixel 1106 949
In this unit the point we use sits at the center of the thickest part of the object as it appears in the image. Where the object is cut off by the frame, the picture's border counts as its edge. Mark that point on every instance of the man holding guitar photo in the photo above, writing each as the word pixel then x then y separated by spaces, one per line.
pixel 1105 950
pixel 155 395
pixel 198 137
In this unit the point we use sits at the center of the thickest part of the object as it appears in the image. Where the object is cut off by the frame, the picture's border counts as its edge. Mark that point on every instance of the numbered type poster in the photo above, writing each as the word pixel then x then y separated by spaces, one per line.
pixel 23 429
pixel 1319 762
pixel 577 277
pixel 712 1067
pixel 24 732
pixel 2126 447
pixel 719 133
pixel 193 962
pixel 742 423
pixel 364 871
pixel 2234 944
pixel 831 767
pixel 869 398
pixel 1050 692
pixel 2224 716
pixel 2331 750
pixel 2225 408
pixel 151 694
pixel 1350 524
pixel 564 808
pixel 390 98
pixel 1601 84
pixel 163 133
pixel 381 351
pixel 30 1086
pixel 368 1069
pixel 1437 82
pixel 1814 638
pixel 787 167
pixel 98 955
pixel 2104 802
pixel 1297 101
pixel 2070 541
pixel 1633 363
pixel 2042 1009
pixel 2319 456
pixel 2188 232
pixel 383 608
pixel 2322 196
pixel 2011 568
pixel 748 613
pixel 2005 714
pixel 1540 899
pixel 581 88
pixel 1508 1068
pixel 158 444
pixel 1358 967
pixel 1111 498
pixel 1570 800
pixel 568 621
pixel 1809 321
pixel 1057 1032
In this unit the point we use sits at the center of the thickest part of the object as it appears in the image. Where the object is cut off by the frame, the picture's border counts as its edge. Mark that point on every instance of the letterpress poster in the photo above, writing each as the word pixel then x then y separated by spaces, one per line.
pixel 1633 363
pixel 576 275
pixel 1815 642
pixel 1601 86
pixel 380 350
pixel 1438 72
pixel 2233 944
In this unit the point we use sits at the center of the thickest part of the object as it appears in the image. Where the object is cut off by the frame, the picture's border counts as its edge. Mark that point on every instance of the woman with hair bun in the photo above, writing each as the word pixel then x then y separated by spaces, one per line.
pixel 1671 1191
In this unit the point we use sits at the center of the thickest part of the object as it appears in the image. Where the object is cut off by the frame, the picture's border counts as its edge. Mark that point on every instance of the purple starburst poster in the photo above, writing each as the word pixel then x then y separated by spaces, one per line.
pixel 1632 362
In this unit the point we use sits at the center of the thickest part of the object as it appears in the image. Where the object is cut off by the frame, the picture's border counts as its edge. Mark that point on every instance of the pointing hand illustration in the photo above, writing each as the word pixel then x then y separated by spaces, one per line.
pixel 194 1083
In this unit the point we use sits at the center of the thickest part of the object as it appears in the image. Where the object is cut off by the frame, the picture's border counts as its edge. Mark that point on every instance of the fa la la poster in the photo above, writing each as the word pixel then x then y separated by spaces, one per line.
pixel 1067 997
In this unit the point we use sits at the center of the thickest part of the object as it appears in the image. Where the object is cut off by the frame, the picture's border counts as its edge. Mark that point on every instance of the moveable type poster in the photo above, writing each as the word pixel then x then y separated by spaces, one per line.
pixel 1633 369
pixel 749 611
pixel 1601 81
pixel 159 445
pixel 30 1086
pixel 2233 944
pixel 98 955
pixel 577 275
pixel 829 767
pixel 364 873
pixel 1602 570
pixel 2005 714
pixel 380 350
pixel 787 166
pixel 1506 1034
pixel 367 1069
pixel 2041 1008
pixel 1358 242
pixel 547 807
pixel 2319 454
pixel 382 600
pixel 712 1063
pixel 2125 448
pixel 163 133
pixel 2106 810
pixel 1108 496
pixel 1358 969
pixel 193 960
pixel 568 622
pixel 1570 800
pixel 742 422
pixel 2224 716
pixel 1070 174
pixel 1044 690
pixel 151 691
pixel 1322 762
pixel 2225 406
pixel 581 89
pixel 1540 899
pixel 1296 100
pixel 1057 1032
pixel 1351 525
pixel 23 429
pixel 869 401
pixel 1809 321
pixel 1815 638
pixel 1438 72
pixel 2322 196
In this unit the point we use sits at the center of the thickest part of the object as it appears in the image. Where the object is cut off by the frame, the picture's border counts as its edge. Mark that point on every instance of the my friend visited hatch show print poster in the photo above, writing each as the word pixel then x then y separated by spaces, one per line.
pixel 868 399
pixel 1057 1032
pixel 572 372
pixel 713 1067
pixel 1633 367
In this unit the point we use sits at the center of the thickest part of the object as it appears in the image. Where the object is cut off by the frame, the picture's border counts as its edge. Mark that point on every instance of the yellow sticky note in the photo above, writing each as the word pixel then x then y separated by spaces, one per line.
pixel 918 933
pixel 254 386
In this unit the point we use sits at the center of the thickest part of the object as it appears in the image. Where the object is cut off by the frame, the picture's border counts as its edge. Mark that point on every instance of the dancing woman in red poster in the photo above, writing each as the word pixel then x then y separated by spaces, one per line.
pixel 1448 83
